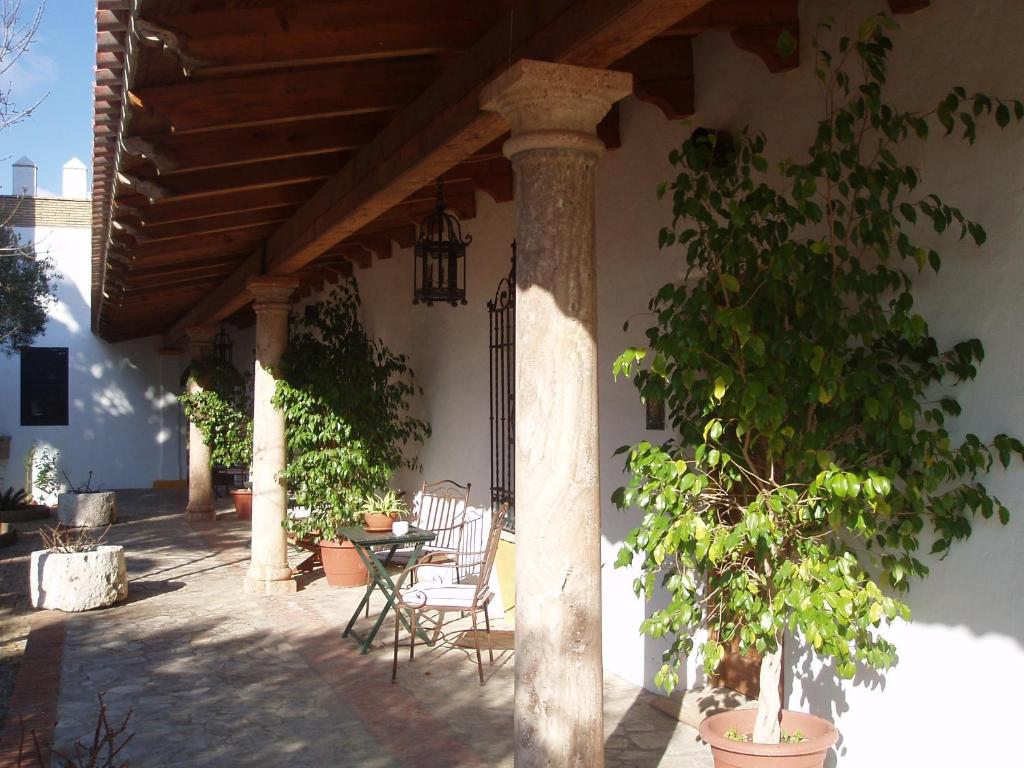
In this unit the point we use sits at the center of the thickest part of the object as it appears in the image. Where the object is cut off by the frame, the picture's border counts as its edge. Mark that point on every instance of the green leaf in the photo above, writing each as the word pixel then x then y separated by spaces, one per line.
pixel 786 44
pixel 1002 115
pixel 720 389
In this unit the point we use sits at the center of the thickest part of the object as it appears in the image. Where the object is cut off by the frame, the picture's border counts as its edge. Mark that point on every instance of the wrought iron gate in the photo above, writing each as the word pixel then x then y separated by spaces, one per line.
pixel 502 312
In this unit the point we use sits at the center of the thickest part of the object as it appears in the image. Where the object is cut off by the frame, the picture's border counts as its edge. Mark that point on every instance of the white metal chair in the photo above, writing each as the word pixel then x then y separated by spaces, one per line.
pixel 439 507
pixel 435 591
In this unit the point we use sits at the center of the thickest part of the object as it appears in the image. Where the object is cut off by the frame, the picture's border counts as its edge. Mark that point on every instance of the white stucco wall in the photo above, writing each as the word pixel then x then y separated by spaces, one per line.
pixel 124 423
pixel 962 658
pixel 950 700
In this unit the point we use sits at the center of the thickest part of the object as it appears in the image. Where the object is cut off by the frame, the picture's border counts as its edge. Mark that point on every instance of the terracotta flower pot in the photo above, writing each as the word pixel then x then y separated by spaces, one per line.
pixel 375 522
pixel 820 736
pixel 243 503
pixel 342 565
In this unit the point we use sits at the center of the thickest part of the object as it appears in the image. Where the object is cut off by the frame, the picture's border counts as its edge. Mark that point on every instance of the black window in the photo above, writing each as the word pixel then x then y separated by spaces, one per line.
pixel 44 386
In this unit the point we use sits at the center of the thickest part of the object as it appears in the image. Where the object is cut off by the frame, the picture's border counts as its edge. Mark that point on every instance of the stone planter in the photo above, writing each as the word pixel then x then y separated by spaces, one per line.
pixel 87 510
pixel 78 581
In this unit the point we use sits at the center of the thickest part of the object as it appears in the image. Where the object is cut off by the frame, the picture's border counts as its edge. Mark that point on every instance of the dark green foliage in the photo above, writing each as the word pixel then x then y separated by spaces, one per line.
pixel 346 398
pixel 27 288
pixel 13 499
pixel 222 410
pixel 814 461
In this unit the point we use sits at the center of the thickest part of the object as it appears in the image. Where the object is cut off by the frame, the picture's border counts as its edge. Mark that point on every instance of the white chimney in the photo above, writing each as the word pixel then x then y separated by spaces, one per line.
pixel 73 180
pixel 23 178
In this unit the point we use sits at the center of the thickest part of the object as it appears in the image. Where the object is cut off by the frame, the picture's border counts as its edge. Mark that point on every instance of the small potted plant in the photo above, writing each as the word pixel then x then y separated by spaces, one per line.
pixel 381 511
pixel 813 459
pixel 346 402
pixel 220 405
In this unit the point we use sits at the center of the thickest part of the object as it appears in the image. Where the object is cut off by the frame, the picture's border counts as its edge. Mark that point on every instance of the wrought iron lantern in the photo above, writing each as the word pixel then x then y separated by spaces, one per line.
pixel 222 345
pixel 439 266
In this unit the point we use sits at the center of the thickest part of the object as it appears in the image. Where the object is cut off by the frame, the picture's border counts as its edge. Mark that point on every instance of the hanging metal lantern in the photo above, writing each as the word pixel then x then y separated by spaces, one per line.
pixel 439 266
pixel 222 345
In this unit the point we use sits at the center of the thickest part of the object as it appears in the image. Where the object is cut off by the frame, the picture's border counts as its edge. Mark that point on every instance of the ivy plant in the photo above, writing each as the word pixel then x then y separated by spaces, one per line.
pixel 346 398
pixel 221 408
pixel 814 464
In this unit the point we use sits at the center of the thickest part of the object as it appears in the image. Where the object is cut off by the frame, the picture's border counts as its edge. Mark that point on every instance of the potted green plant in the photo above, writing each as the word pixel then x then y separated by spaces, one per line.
pixel 220 405
pixel 380 511
pixel 813 461
pixel 346 398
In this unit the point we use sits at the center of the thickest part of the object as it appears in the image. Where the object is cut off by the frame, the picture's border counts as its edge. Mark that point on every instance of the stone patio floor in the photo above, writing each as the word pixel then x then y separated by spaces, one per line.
pixel 214 677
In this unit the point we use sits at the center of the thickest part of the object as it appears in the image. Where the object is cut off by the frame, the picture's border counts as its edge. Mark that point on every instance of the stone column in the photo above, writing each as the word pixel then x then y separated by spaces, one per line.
pixel 553 111
pixel 200 468
pixel 268 572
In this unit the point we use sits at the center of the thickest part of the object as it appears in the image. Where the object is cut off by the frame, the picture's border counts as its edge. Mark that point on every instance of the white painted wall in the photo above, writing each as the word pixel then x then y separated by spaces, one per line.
pixel 124 422
pixel 951 700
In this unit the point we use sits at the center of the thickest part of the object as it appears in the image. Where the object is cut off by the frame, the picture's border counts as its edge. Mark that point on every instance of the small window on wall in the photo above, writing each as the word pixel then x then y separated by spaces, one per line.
pixel 44 386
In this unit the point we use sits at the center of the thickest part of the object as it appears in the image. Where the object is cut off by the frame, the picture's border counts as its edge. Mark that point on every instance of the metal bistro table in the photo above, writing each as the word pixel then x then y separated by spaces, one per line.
pixel 364 542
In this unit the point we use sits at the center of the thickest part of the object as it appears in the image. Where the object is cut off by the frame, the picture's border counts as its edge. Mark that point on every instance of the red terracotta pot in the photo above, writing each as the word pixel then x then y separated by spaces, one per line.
pixel 342 565
pixel 820 736
pixel 243 503
pixel 376 522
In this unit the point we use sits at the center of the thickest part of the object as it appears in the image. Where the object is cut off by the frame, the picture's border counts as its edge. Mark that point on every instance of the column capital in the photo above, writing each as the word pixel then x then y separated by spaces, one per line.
pixel 554 106
pixel 268 290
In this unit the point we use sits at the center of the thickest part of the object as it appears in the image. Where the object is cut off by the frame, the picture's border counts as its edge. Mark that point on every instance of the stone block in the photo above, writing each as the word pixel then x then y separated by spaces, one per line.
pixel 78 581
pixel 87 510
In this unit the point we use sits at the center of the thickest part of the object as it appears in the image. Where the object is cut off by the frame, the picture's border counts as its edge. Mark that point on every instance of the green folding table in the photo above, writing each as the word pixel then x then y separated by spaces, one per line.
pixel 370 546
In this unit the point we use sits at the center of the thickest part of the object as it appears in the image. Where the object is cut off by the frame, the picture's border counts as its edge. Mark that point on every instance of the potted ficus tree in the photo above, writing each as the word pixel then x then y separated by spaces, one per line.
pixel 346 399
pixel 812 463
pixel 221 408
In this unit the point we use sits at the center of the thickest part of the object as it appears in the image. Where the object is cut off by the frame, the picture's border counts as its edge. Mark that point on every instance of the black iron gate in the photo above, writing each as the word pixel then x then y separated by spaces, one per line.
pixel 502 312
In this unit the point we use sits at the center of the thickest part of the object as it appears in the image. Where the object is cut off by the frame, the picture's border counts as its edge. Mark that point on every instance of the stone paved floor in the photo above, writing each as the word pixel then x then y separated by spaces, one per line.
pixel 15 612
pixel 217 678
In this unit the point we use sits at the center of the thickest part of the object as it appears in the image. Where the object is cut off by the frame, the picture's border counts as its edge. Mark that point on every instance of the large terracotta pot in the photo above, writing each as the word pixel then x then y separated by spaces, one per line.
pixel 820 736
pixel 243 503
pixel 342 565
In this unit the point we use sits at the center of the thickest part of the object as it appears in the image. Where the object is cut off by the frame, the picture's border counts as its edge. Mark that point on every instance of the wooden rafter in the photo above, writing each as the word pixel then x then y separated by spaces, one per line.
pixel 262 99
pixel 286 35
pixel 443 126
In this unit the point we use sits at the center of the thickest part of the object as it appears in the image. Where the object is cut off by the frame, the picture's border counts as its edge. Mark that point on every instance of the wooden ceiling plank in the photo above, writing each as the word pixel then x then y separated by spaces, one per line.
pixel 223 223
pixel 201 105
pixel 443 126
pixel 246 38
pixel 218 149
pixel 172 211
pixel 226 181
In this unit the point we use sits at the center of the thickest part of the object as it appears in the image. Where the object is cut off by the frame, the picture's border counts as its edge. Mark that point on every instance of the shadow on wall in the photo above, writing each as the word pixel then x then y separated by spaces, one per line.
pixel 119 414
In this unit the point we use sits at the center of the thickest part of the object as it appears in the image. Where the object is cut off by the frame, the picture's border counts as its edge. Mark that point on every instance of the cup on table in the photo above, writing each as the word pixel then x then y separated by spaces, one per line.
pixel 400 527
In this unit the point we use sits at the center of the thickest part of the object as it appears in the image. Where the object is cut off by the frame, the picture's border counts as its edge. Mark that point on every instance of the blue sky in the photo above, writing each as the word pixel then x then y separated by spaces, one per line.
pixel 60 63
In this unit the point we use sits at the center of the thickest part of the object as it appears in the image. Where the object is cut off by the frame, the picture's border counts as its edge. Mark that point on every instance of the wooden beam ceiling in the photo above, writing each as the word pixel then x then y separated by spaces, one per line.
pixel 443 126
pixel 285 136
pixel 266 98
pixel 273 35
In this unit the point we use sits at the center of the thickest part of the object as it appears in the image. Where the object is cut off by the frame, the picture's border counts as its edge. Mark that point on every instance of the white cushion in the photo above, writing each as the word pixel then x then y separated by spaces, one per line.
pixel 456 596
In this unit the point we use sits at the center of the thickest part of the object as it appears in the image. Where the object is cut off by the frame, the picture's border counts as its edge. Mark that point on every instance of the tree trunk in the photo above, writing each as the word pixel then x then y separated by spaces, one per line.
pixel 766 727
